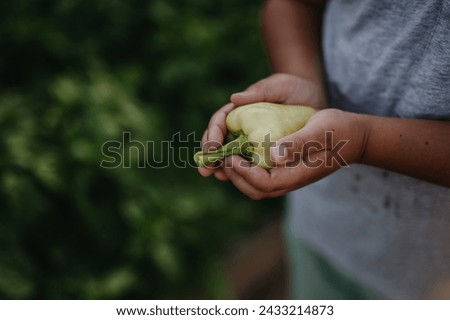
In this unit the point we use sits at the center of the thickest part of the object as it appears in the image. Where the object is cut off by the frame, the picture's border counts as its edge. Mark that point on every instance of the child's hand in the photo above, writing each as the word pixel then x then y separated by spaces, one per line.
pixel 331 139
pixel 285 89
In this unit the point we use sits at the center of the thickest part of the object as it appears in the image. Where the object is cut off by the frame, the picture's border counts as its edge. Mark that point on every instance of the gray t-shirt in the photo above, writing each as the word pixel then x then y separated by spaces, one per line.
pixel 388 231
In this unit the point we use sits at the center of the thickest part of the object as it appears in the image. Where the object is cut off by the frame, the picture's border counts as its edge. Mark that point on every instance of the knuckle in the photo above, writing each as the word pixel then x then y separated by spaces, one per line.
pixel 299 141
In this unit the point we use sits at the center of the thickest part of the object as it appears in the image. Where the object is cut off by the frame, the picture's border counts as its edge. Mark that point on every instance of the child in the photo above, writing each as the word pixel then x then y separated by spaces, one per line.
pixel 379 228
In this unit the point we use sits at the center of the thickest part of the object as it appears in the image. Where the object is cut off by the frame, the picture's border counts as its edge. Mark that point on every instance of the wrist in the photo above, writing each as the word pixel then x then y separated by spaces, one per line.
pixel 364 124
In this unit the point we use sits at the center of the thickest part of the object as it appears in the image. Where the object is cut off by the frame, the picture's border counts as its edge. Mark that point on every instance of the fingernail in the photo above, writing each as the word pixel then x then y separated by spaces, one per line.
pixel 240 94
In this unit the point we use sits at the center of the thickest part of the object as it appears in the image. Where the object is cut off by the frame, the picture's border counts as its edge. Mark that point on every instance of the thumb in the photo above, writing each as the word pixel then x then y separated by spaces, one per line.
pixel 254 93
pixel 279 88
pixel 295 146
pixel 275 88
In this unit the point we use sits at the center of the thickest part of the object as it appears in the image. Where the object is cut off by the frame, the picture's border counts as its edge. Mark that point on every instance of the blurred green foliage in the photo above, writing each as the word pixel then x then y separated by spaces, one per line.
pixel 75 74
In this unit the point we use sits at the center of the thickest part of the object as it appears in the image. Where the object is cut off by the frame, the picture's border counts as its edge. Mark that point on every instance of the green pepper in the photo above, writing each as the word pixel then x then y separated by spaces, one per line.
pixel 255 128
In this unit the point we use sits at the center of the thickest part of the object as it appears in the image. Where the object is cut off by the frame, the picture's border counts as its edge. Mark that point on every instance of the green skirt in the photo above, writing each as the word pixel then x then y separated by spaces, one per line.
pixel 313 277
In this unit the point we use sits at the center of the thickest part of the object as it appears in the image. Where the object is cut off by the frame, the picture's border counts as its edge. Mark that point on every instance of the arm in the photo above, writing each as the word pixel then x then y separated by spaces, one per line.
pixel 418 148
pixel 292 33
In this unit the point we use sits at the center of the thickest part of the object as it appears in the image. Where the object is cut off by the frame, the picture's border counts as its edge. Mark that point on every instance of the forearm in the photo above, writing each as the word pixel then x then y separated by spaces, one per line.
pixel 418 148
pixel 292 34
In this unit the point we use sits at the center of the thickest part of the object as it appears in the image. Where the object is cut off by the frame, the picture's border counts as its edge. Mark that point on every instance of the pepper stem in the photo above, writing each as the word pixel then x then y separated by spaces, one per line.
pixel 238 146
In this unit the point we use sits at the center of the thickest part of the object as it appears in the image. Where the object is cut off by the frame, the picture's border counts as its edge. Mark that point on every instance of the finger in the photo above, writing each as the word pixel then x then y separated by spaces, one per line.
pixel 304 142
pixel 304 171
pixel 255 176
pixel 238 180
pixel 220 175
pixel 234 170
pixel 204 139
pixel 261 91
pixel 215 170
pixel 289 177
pixel 215 138
pixel 206 171
pixel 217 128
pixel 221 114
pixel 278 88
pixel 274 181
pixel 209 168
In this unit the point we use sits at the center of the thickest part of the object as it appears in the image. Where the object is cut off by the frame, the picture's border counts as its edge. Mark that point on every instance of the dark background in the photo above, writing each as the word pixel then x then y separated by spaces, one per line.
pixel 76 74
